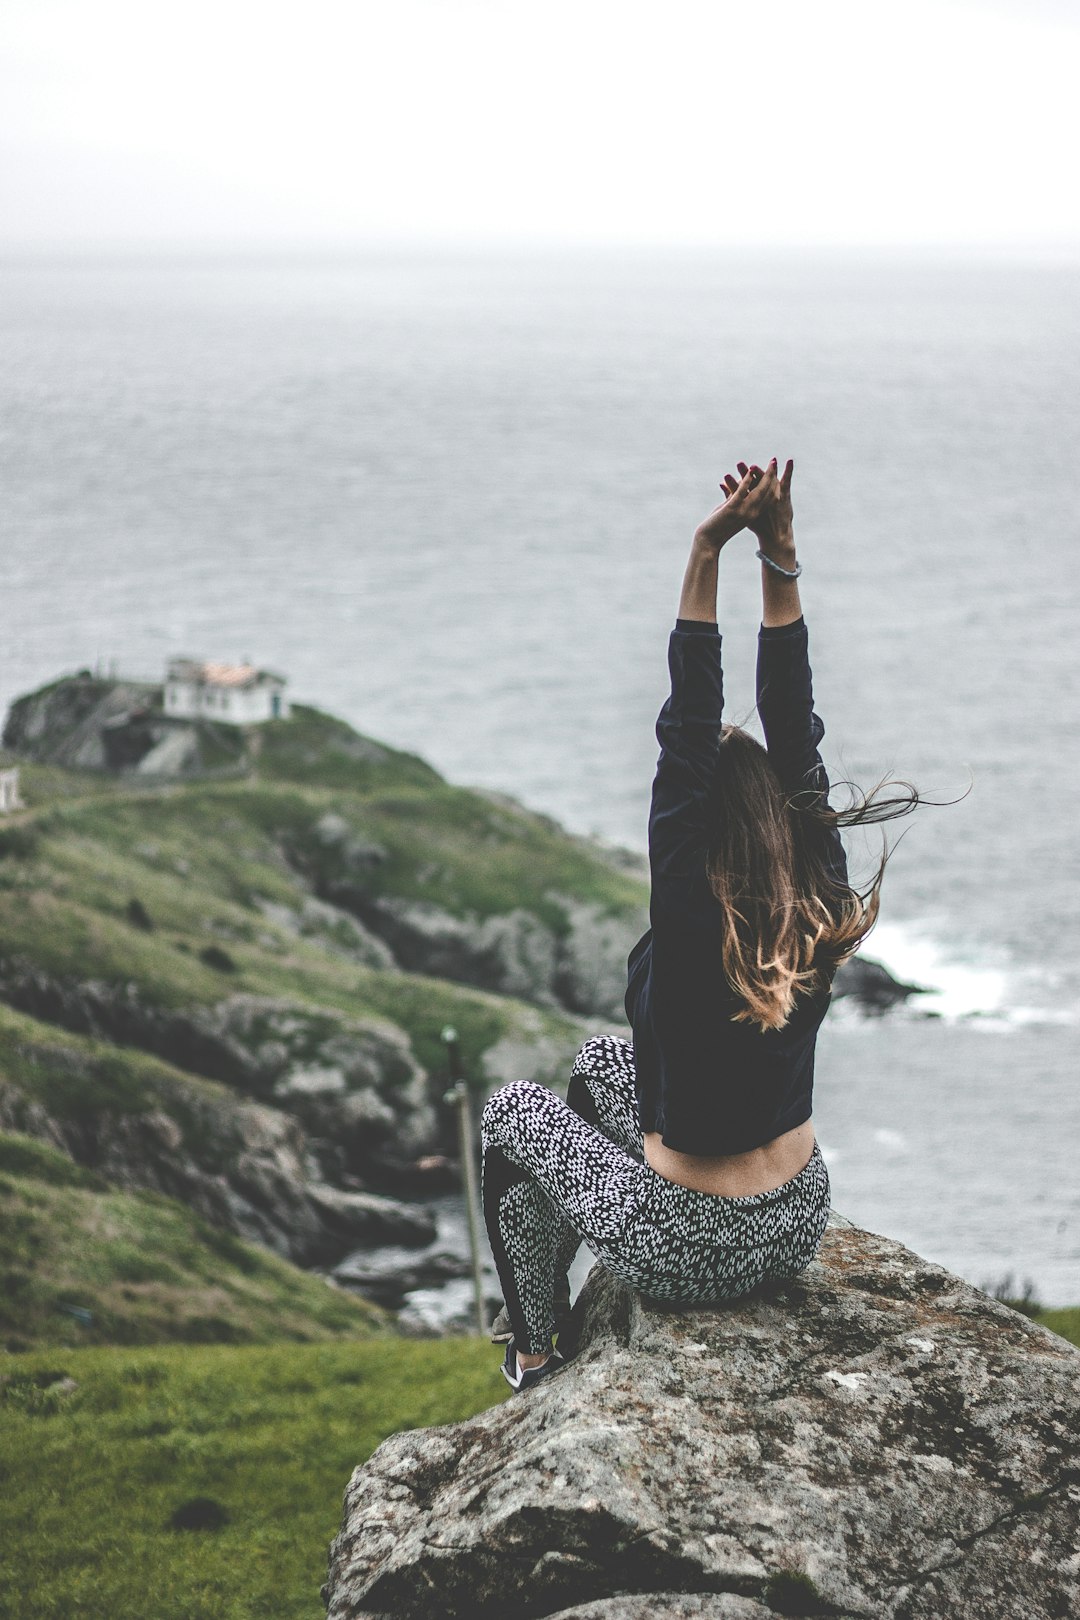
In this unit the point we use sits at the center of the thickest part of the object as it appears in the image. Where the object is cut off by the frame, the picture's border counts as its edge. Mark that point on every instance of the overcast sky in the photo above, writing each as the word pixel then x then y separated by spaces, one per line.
pixel 840 121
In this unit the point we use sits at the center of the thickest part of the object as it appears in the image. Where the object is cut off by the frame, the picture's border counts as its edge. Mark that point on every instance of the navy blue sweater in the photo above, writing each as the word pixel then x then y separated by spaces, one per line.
pixel 711 1086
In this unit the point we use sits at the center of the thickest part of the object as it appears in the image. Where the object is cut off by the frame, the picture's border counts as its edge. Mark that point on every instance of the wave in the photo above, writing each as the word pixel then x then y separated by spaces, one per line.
pixel 965 981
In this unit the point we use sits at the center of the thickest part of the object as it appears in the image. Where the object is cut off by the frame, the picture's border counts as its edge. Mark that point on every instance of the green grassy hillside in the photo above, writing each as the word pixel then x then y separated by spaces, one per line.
pixel 80 1080
pixel 105 1451
pixel 135 910
pixel 84 1263
pixel 215 867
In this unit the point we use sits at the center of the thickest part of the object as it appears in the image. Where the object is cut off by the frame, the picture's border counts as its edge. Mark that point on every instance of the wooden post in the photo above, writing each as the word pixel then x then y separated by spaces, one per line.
pixel 459 1094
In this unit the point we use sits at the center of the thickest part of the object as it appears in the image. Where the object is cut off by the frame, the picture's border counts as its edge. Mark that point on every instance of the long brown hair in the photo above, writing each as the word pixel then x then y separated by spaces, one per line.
pixel 790 919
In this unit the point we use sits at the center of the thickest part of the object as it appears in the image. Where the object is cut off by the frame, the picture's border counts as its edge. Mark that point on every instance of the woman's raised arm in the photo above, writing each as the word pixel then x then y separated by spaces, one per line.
pixel 770 519
pixel 698 598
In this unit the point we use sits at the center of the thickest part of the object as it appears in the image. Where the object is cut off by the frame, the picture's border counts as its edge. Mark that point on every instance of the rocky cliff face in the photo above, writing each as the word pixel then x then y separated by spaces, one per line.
pixel 66 723
pixel 118 900
pixel 875 1439
pixel 328 1096
pixel 87 723
pixel 354 1083
pixel 580 969
pixel 241 1166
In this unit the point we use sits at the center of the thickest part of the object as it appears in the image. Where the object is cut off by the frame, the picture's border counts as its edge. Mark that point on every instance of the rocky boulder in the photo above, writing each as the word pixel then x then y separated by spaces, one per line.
pixel 579 968
pixel 872 987
pixel 873 1439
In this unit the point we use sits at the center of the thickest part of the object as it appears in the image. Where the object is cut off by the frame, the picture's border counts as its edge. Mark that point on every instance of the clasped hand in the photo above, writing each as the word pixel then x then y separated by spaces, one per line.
pixel 758 500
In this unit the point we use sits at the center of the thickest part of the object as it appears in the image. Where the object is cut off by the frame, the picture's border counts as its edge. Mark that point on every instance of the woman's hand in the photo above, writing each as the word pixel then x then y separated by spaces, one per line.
pixel 766 506
pixel 761 502
pixel 733 514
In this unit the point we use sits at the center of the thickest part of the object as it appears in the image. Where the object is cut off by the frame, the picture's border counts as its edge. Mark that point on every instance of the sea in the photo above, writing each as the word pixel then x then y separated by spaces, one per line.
pixel 450 495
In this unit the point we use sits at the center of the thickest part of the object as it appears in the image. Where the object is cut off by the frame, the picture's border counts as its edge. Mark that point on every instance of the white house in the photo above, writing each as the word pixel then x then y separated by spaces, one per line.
pixel 238 694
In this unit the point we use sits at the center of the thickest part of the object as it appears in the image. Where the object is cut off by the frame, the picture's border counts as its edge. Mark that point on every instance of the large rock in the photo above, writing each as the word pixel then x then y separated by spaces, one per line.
pixel 872 987
pixel 386 1275
pixel 874 1439
pixel 512 953
pixel 330 928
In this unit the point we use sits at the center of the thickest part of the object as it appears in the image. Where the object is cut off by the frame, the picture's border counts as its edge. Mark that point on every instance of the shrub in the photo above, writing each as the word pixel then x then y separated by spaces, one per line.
pixel 1018 1296
pixel 138 916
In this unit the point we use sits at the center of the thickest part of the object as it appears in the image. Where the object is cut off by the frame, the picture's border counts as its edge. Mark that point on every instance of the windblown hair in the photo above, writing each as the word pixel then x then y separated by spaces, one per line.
pixel 789 918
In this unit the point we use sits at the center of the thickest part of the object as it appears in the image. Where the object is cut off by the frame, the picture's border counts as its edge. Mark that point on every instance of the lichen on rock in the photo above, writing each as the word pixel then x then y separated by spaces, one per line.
pixel 872 1439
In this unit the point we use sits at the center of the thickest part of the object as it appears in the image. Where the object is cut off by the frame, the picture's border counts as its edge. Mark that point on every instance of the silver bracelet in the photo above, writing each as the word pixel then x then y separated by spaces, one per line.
pixel 785 573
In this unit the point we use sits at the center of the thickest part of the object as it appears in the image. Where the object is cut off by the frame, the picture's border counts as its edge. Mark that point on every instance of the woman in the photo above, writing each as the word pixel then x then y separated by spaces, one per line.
pixel 687 1162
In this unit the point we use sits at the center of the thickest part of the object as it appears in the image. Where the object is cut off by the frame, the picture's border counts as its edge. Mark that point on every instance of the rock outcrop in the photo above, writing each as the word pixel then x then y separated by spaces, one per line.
pixel 875 1440
pixel 243 1166
pixel 89 723
pixel 353 1083
pixel 580 968
pixel 68 722
pixel 872 987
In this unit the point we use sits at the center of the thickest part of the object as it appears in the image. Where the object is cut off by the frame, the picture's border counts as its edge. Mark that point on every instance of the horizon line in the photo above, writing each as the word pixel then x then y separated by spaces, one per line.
pixel 416 246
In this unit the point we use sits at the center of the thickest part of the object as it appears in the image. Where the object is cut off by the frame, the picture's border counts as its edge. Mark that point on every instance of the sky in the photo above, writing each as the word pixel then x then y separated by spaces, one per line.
pixel 258 122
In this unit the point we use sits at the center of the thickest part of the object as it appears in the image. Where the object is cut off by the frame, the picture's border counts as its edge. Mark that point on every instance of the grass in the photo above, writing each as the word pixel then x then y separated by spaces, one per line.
pixel 156 891
pixel 462 850
pixel 202 859
pixel 471 855
pixel 75 1078
pixel 267 1436
pixel 311 744
pixel 82 1263
pixel 264 1437
pixel 1063 1322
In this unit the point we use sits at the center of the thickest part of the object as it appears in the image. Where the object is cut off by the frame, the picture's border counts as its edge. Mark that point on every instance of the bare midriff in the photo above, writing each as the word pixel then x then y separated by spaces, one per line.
pixel 734 1175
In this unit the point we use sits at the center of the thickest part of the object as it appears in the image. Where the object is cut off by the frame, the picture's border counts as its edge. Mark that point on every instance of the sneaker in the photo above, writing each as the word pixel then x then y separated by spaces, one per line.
pixel 522 1379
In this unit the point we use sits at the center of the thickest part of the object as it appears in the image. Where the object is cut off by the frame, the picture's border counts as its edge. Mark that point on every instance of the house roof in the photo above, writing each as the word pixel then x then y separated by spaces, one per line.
pixel 215 674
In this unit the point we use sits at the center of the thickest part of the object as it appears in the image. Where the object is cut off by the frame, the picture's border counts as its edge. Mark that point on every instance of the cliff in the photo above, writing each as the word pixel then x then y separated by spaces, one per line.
pixel 873 1441
pixel 229 986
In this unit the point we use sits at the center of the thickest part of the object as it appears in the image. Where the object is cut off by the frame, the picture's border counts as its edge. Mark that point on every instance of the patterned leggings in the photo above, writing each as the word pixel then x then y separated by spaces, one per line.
pixel 558 1173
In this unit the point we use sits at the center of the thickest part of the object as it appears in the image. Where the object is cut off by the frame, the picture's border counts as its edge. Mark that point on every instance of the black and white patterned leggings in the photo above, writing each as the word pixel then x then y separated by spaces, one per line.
pixel 558 1173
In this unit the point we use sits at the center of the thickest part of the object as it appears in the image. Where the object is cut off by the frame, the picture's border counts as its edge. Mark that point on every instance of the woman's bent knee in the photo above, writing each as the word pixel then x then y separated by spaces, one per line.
pixel 511 1102
pixel 600 1052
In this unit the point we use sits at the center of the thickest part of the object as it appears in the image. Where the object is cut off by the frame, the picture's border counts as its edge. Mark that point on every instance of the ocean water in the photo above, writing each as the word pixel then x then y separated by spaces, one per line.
pixel 450 497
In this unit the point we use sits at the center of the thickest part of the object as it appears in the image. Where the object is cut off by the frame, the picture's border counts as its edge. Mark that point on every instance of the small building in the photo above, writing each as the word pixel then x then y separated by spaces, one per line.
pixel 237 694
pixel 9 791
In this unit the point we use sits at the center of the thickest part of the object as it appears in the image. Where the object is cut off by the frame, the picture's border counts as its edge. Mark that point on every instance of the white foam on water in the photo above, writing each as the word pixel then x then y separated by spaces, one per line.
pixel 962 982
